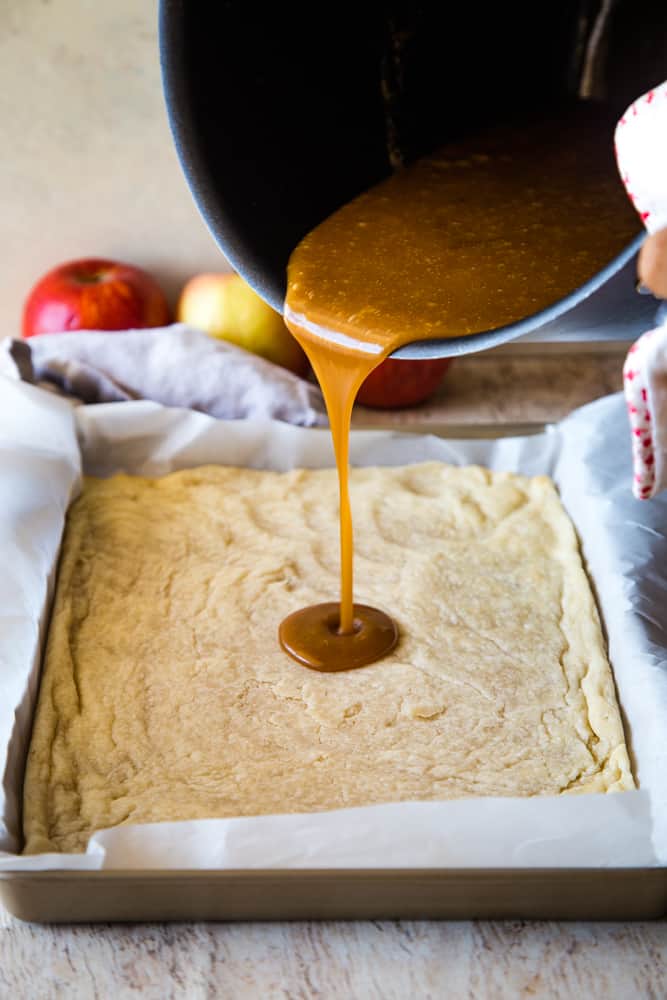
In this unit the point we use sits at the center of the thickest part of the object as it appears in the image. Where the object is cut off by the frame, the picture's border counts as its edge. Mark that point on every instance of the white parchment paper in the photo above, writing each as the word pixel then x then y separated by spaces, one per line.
pixel 44 444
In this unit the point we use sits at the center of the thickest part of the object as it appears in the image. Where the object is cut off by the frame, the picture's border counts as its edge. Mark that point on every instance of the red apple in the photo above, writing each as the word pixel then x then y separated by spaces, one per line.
pixel 396 383
pixel 94 294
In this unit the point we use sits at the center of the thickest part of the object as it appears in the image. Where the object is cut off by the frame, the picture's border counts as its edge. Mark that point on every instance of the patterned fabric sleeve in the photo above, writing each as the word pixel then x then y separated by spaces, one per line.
pixel 641 154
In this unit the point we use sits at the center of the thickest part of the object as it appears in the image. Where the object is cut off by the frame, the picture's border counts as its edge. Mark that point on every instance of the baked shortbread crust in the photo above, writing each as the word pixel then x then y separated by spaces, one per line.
pixel 165 694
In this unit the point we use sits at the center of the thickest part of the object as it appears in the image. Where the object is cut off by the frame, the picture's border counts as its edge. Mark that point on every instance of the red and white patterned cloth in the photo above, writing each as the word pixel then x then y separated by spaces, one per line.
pixel 641 153
pixel 645 384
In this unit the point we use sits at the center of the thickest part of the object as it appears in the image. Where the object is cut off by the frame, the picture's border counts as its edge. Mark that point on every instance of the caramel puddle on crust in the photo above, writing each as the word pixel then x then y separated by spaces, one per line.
pixel 313 637
pixel 481 234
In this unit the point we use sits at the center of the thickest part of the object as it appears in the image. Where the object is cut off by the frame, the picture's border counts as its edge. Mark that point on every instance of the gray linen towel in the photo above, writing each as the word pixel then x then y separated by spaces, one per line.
pixel 176 365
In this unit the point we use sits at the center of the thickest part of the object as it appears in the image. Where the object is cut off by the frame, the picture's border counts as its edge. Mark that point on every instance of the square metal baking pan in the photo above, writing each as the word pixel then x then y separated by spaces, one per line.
pixel 60 896
pixel 344 894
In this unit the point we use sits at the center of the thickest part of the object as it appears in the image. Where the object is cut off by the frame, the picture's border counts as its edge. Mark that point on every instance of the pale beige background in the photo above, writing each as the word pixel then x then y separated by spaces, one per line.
pixel 87 165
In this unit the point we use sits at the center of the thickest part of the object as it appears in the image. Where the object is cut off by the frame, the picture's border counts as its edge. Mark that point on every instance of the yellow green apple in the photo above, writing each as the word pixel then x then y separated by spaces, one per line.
pixel 225 306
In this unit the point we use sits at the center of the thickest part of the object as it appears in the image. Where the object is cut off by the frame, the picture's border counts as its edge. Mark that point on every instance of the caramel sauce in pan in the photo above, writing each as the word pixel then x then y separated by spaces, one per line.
pixel 481 234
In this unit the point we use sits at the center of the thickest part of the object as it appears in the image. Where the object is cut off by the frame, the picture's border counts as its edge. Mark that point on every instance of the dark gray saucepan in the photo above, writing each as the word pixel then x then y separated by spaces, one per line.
pixel 283 112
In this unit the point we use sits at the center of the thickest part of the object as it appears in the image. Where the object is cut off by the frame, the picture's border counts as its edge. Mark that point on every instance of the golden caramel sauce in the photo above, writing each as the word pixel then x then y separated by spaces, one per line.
pixel 482 234
pixel 313 636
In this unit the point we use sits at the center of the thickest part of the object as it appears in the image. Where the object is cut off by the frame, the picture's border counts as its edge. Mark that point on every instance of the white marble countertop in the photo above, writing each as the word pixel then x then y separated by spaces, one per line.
pixel 309 961
pixel 88 168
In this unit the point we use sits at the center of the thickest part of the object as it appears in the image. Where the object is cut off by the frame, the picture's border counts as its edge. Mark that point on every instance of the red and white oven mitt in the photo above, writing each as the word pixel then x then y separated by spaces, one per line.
pixel 641 153
pixel 645 385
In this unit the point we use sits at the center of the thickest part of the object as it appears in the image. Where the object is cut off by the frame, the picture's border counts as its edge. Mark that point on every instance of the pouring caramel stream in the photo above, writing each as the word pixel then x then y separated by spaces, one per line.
pixel 477 236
